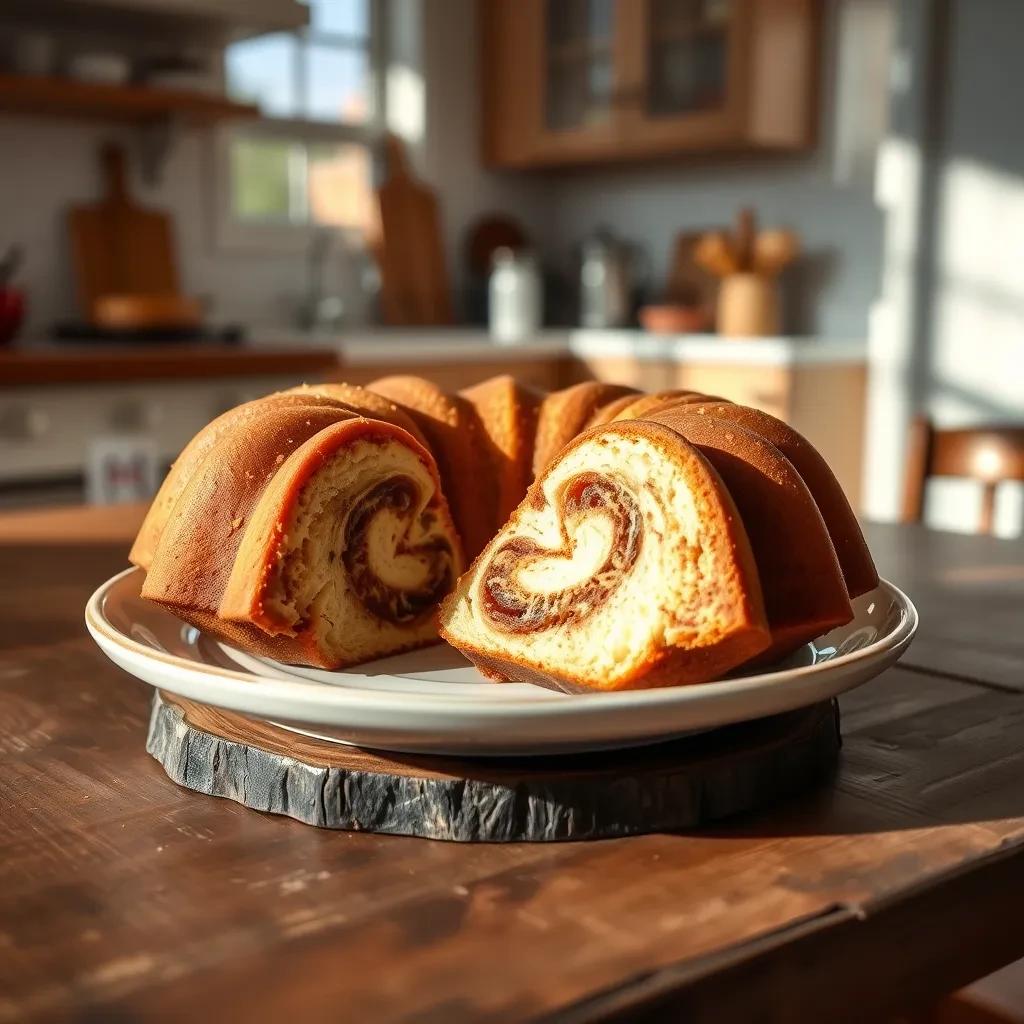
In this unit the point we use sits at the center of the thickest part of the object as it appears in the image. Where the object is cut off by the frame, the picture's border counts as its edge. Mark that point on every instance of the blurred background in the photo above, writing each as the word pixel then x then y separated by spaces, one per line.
pixel 811 206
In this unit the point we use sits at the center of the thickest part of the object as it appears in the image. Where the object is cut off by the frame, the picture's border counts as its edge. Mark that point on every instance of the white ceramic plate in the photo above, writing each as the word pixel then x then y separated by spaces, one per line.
pixel 434 701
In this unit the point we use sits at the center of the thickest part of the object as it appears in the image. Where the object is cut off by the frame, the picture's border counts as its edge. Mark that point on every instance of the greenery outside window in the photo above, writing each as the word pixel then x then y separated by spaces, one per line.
pixel 307 163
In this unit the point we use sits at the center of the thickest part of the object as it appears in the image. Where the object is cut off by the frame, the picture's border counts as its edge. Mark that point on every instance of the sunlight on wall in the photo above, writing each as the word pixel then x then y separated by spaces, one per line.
pixel 971 367
pixel 890 328
pixel 978 349
pixel 977 357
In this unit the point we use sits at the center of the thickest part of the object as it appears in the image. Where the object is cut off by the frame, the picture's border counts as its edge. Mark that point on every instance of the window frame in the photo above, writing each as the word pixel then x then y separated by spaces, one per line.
pixel 270 237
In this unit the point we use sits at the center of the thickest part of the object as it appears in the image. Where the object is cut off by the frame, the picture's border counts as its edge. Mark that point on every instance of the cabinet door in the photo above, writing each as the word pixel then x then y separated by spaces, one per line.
pixel 686 69
pixel 552 80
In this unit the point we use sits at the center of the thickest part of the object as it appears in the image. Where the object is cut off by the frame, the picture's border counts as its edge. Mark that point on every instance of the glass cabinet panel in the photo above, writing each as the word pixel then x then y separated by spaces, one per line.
pixel 687 56
pixel 579 74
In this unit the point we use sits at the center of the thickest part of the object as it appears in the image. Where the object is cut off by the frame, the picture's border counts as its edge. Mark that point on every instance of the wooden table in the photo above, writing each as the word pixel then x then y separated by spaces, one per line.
pixel 123 897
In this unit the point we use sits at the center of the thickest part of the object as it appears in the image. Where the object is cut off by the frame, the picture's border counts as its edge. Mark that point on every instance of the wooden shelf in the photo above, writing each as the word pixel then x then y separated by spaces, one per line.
pixel 63 97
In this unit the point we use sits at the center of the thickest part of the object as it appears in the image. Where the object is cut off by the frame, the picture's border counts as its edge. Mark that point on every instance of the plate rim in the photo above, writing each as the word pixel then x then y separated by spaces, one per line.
pixel 241 681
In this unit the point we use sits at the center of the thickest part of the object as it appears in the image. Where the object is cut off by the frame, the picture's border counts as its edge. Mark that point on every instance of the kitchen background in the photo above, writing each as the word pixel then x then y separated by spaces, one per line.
pixel 883 134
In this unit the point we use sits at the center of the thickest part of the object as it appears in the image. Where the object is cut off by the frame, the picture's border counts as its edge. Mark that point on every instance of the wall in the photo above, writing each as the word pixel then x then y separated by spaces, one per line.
pixel 55 165
pixel 947 337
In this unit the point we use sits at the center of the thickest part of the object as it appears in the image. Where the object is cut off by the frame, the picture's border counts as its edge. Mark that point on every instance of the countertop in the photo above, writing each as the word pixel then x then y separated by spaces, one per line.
pixel 88 364
pixel 280 352
pixel 426 345
pixel 126 897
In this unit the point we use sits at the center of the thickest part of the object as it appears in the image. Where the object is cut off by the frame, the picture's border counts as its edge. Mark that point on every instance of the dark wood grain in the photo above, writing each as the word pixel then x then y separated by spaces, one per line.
pixel 969 591
pixel 124 897
pixel 115 364
pixel 665 786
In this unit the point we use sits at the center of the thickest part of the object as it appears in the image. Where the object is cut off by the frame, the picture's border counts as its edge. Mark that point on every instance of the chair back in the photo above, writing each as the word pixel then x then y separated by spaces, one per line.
pixel 990 454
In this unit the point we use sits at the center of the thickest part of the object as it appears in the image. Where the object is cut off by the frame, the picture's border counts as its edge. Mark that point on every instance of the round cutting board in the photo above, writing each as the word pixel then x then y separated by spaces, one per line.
pixel 679 784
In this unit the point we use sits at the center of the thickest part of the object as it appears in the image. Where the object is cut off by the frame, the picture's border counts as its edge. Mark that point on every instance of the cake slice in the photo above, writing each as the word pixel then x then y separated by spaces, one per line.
pixel 349 549
pixel 626 566
pixel 345 541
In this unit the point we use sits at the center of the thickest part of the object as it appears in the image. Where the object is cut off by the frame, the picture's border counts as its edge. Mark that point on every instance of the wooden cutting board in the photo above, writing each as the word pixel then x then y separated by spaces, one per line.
pixel 414 280
pixel 683 783
pixel 118 247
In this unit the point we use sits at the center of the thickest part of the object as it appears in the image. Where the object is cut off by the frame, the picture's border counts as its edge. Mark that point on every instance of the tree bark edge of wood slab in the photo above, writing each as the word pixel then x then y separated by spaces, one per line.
pixel 681 784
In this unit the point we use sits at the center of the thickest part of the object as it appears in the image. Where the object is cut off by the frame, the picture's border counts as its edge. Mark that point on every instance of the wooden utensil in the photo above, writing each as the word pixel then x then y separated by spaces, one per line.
pixel 774 250
pixel 717 254
pixel 118 247
pixel 748 265
pixel 414 279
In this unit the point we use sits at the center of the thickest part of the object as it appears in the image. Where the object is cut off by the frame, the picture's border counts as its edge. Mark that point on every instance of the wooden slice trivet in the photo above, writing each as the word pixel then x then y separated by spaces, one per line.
pixel 680 784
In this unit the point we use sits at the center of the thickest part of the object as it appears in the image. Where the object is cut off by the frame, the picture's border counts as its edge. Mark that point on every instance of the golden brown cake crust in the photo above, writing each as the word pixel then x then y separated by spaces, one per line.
pixel 858 567
pixel 200 540
pixel 564 414
pixel 803 586
pixel 365 402
pixel 507 411
pixel 644 405
pixel 456 440
pixel 192 455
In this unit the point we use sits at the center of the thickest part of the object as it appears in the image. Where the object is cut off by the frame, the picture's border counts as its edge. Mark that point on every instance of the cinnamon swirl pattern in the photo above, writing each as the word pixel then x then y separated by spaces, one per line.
pixel 512 607
pixel 625 566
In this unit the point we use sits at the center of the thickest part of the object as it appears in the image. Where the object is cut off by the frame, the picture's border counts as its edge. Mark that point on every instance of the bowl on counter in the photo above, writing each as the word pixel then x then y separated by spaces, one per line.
pixel 674 319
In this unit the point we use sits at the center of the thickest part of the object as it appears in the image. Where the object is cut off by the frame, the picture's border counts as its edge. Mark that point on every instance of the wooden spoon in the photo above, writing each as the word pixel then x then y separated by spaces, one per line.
pixel 774 250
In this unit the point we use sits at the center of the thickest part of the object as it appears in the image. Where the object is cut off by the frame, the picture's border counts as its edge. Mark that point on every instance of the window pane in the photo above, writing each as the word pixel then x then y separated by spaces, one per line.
pixel 340 186
pixel 346 17
pixel 337 84
pixel 263 71
pixel 261 179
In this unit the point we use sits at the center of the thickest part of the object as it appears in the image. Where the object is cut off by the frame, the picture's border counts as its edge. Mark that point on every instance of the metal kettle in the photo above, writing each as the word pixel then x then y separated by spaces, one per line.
pixel 608 269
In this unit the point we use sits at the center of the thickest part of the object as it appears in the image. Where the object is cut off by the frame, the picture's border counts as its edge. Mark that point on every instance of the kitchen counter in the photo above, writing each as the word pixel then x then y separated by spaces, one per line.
pixel 275 352
pixel 440 344
pixel 85 364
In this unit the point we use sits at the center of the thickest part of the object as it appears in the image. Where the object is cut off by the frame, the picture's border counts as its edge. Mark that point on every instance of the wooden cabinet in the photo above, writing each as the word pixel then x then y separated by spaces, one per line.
pixel 586 81
pixel 826 402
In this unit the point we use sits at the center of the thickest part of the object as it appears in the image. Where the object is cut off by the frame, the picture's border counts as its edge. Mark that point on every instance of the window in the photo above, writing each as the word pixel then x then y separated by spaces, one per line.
pixel 307 162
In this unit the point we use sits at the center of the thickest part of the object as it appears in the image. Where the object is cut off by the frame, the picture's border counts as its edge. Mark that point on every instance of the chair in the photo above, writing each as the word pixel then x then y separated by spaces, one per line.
pixel 990 454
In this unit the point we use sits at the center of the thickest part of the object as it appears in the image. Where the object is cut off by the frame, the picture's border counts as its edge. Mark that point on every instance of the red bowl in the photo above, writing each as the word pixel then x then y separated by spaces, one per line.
pixel 12 312
pixel 672 319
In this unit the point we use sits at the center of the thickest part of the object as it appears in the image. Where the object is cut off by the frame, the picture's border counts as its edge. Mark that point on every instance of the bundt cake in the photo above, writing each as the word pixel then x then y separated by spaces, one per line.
pixel 620 539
